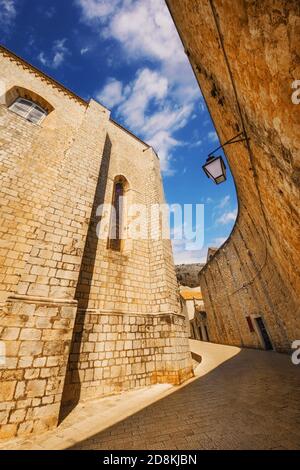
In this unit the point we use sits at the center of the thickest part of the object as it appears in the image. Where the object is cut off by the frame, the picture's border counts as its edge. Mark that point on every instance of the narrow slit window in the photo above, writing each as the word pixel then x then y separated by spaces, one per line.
pixel 250 324
pixel 114 242
pixel 29 110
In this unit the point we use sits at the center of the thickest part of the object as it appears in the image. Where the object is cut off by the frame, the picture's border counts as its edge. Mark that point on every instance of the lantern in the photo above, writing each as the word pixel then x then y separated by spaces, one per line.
pixel 215 169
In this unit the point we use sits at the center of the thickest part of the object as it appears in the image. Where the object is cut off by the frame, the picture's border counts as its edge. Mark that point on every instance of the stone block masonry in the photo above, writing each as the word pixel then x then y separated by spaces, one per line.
pixel 245 55
pixel 78 319
pixel 112 353
pixel 37 336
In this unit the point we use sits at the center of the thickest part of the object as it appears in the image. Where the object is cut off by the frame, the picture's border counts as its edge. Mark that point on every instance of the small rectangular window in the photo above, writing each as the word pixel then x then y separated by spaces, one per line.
pixel 250 324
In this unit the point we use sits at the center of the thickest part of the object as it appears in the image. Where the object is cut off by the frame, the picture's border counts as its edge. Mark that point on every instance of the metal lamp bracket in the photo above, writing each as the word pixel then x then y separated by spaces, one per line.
pixel 233 140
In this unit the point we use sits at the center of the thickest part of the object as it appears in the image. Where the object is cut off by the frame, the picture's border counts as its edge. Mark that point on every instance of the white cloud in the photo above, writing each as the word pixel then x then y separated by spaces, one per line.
pixel 111 94
pixel 189 257
pixel 159 130
pixel 222 212
pixel 8 12
pixel 135 103
pixel 59 53
pixel 148 86
pixel 50 12
pixel 97 9
pixel 145 28
pixel 147 109
pixel 224 202
pixel 227 217
pixel 212 136
pixel 42 58
pixel 172 118
pixel 161 98
pixel 182 255
pixel 84 50
pixel 163 143
pixel 197 143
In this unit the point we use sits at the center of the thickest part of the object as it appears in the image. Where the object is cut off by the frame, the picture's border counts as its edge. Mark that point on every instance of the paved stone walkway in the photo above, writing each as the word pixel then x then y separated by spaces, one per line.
pixel 251 401
pixel 240 399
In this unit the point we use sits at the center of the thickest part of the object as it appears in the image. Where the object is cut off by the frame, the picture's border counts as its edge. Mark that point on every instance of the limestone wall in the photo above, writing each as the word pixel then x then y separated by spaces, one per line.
pixel 118 342
pixel 115 352
pixel 37 338
pixel 245 56
pixel 77 320
pixel 47 188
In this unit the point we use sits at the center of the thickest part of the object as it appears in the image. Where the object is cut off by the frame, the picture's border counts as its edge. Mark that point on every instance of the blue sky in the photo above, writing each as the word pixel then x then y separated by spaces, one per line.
pixel 127 55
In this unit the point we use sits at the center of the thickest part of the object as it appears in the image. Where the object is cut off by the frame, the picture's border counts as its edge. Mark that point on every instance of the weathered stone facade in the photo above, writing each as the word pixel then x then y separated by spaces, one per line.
pixel 77 320
pixel 245 55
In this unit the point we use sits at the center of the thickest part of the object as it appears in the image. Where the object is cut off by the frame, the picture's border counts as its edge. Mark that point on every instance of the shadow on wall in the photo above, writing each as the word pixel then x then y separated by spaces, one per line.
pixel 240 404
pixel 82 293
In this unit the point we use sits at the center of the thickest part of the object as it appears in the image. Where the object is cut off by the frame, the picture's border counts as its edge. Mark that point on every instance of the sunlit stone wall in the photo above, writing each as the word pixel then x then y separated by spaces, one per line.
pixel 245 55
pixel 76 319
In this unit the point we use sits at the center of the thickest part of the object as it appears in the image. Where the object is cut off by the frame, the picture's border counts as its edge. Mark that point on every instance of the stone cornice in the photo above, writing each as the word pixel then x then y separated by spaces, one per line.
pixel 40 300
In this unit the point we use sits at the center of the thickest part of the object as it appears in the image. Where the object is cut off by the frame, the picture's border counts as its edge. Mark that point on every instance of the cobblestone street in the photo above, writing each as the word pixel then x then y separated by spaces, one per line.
pixel 251 401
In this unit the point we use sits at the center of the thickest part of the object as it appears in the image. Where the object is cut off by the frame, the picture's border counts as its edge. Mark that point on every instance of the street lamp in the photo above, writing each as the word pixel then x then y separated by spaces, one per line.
pixel 215 167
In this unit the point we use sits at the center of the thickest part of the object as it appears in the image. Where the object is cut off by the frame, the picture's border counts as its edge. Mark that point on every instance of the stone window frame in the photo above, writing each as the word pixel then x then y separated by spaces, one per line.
pixel 11 96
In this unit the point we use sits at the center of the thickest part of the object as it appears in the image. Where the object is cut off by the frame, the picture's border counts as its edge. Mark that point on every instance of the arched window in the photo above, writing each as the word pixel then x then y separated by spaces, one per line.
pixel 29 110
pixel 116 222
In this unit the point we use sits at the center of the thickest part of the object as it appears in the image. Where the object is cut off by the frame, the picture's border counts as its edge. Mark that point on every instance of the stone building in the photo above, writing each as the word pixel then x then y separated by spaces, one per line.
pixel 245 55
pixel 194 310
pixel 81 317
